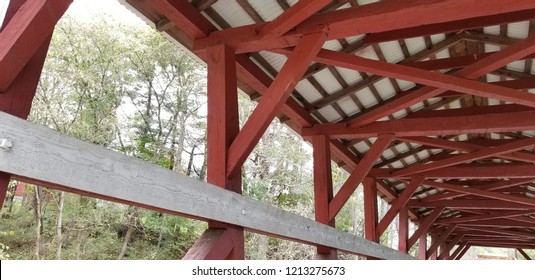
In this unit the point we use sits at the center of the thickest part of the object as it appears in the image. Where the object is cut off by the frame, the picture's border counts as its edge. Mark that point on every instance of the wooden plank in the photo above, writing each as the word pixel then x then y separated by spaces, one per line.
pixel 358 174
pixel 422 247
pixel 273 100
pixel 48 157
pixel 403 230
pixel 471 204
pixel 447 246
pixel 214 244
pixel 4 184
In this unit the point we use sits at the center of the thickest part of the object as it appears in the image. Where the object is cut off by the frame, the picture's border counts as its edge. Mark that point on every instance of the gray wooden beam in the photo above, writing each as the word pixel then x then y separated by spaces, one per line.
pixel 41 155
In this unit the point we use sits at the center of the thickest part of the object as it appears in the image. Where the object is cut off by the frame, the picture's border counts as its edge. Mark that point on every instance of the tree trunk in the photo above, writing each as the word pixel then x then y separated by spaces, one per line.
pixel 131 226
pixel 59 223
pixel 37 202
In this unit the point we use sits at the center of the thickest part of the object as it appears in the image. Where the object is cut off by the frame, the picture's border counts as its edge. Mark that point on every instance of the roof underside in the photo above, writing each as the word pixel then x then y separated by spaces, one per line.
pixel 486 109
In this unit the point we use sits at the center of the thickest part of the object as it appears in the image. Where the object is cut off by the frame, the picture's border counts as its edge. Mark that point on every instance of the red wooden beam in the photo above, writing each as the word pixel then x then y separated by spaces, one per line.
pixel 323 188
pixel 466 158
pixel 498 122
pixel 446 27
pixel 4 184
pixel 494 232
pixel 457 251
pixel 424 226
pixel 436 79
pixel 463 252
pixel 445 254
pixel 186 16
pixel 441 239
pixel 299 12
pixel 370 209
pixel 453 62
pixel 471 204
pixel 422 247
pixel 24 34
pixel 370 18
pixel 482 217
pixel 483 66
pixel 223 126
pixel 499 223
pixel 483 193
pixel 490 187
pixel 273 100
pixel 358 174
pixel 403 230
pixel 398 204
pixel 214 244
pixel 524 254
pixel 467 171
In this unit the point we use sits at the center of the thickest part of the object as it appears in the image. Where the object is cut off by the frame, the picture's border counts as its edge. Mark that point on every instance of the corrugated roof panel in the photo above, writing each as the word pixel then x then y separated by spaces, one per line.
pixel 531 90
pixel 397 164
pixel 492 78
pixel 518 30
pixel 463 137
pixel 442 54
pixel 405 85
pixel 368 53
pixel 415 45
pixel 354 39
pixel 392 51
pixel 492 101
pixel 455 105
pixel 517 65
pixel 410 160
pixel 492 30
pixel 438 38
pixel 276 60
pixel 308 91
pixel 399 114
pixel 417 106
pixel 232 12
pixel 423 154
pixel 366 97
pixel 350 76
pixel 365 2
pixel 401 148
pixel 327 81
pixel 332 45
pixel 362 147
pixel 348 106
pixel 268 10
pixel 329 113
pixel 388 154
pixel 385 88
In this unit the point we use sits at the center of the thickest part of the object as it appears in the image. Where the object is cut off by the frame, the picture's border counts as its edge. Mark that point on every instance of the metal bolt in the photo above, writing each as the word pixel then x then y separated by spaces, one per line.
pixel 6 144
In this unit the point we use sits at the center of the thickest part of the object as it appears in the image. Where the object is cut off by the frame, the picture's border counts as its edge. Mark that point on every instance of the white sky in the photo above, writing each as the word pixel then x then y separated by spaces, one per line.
pixel 86 9
pixel 3 9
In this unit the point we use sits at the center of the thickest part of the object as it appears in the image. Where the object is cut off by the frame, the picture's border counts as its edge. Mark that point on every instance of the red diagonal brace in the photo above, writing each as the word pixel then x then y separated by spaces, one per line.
pixel 273 100
pixel 398 204
pixel 358 174
pixel 424 226
pixel 24 34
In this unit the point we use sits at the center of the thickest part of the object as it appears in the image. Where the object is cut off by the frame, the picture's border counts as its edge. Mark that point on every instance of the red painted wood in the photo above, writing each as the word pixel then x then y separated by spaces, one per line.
pixel 440 240
pixel 371 18
pixel 358 174
pixel 447 246
pixel 398 204
pixel 4 183
pixel 403 230
pixel 471 204
pixel 482 217
pixel 485 231
pixel 323 186
pixel 466 158
pixel 497 122
pixel 490 187
pixel 422 247
pixel 185 15
pixel 424 226
pixel 523 253
pixel 501 223
pixel 446 27
pixel 452 62
pixel 370 209
pixel 461 254
pixel 458 250
pixel 273 100
pixel 292 17
pixel 214 244
pixel 439 80
pixel 483 193
pixel 24 34
pixel 223 126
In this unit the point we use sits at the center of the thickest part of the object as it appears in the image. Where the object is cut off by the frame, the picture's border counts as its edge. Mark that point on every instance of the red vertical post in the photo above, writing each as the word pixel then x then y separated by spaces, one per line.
pixel 223 126
pixel 4 184
pixel 433 254
pixel 370 210
pixel 323 189
pixel 403 230
pixel 422 247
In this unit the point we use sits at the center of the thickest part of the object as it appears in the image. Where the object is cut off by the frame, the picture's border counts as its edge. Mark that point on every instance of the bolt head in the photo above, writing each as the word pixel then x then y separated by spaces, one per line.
pixel 6 144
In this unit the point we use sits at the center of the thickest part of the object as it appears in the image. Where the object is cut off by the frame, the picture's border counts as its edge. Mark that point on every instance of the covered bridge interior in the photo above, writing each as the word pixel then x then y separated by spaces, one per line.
pixel 428 104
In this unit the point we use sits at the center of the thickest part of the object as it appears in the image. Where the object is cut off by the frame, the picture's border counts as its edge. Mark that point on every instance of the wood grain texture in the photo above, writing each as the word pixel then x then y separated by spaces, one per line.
pixel 64 162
